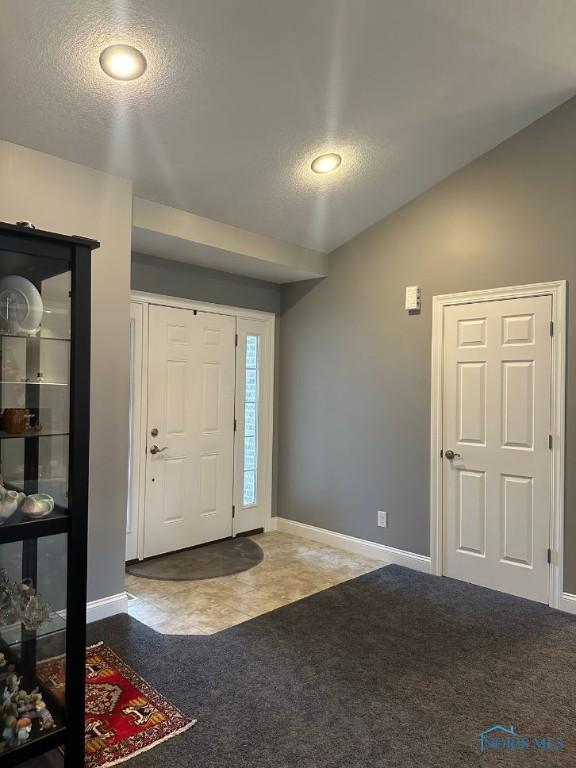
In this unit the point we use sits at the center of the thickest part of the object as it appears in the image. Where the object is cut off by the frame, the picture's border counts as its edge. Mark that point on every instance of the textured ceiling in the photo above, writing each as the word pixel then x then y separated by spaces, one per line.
pixel 240 95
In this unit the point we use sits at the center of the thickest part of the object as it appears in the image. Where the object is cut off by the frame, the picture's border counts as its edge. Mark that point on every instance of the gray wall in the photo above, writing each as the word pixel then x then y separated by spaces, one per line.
pixel 65 197
pixel 355 391
pixel 186 281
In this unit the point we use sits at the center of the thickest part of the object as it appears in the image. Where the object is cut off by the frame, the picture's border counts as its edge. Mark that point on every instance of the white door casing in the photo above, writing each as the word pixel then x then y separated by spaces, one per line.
pixel 253 515
pixel 191 383
pixel 252 321
pixel 497 375
pixel 135 427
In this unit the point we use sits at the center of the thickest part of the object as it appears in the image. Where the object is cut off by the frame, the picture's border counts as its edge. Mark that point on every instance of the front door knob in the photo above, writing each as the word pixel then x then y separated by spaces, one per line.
pixel 154 450
pixel 451 455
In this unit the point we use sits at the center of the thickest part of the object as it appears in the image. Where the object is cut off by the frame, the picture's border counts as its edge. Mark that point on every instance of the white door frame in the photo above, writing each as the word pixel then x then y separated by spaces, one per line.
pixel 249 516
pixel 557 290
pixel 267 321
pixel 137 427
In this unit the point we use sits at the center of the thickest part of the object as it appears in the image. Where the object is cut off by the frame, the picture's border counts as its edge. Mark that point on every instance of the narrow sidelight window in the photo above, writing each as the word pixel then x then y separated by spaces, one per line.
pixel 251 399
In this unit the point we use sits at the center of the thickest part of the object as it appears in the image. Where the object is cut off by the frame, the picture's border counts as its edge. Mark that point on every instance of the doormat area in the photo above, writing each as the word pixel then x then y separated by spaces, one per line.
pixel 124 715
pixel 208 562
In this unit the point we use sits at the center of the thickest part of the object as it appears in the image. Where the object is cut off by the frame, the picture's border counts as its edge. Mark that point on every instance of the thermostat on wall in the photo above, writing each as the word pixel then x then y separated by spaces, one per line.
pixel 413 297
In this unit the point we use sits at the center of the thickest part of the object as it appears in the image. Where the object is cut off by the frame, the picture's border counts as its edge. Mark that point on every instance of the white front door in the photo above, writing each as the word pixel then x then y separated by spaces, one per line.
pixel 497 414
pixel 189 474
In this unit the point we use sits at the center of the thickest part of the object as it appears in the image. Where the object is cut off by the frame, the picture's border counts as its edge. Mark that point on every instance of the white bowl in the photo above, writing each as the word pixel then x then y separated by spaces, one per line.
pixel 38 505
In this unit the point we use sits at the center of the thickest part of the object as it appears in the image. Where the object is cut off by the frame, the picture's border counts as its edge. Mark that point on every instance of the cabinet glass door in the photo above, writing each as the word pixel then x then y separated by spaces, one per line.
pixel 35 351
pixel 35 314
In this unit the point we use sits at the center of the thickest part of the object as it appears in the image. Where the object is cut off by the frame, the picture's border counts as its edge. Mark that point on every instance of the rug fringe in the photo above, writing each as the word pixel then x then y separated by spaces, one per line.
pixel 150 746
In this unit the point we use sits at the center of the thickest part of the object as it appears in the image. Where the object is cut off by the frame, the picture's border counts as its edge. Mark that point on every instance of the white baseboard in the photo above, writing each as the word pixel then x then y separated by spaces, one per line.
pixel 107 606
pixel 380 552
pixel 567 603
pixel 104 607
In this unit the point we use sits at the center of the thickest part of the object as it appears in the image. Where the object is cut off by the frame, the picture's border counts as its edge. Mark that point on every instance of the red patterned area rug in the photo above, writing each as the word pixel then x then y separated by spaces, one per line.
pixel 124 715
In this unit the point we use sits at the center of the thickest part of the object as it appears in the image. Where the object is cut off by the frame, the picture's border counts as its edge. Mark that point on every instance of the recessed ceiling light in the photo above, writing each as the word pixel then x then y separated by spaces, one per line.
pixel 123 62
pixel 326 163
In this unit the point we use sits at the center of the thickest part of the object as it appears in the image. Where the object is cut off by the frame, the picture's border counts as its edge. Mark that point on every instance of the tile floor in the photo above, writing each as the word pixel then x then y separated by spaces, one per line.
pixel 292 568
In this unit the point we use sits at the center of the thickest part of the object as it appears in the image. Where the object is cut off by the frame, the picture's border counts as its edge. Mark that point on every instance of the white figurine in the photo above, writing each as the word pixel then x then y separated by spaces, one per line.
pixel 6 697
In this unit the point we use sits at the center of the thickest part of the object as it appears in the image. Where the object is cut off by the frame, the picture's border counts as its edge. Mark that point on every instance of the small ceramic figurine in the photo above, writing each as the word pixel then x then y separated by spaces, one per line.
pixel 21 701
pixel 23 728
pixel 8 504
pixel 25 703
pixel 7 670
pixel 36 613
pixel 6 697
pixel 34 696
pixel 46 719
pixel 8 730
pixel 13 683
pixel 10 711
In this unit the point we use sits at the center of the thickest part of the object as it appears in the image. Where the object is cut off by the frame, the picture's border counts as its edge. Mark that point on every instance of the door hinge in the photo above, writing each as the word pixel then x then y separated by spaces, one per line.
pixel 550 442
pixel 549 556
pixel 235 425
pixel 441 453
pixel 236 340
pixel 551 327
pixel 233 511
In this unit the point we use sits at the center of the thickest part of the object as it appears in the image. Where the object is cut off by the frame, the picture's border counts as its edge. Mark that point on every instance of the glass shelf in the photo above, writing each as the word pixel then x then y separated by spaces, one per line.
pixel 32 433
pixel 36 383
pixel 6 335
pixel 19 527
pixel 14 635
pixel 39 743
pixel 25 528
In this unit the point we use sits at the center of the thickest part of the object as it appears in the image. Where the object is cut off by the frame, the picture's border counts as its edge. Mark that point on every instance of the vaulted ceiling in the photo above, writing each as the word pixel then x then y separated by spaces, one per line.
pixel 240 95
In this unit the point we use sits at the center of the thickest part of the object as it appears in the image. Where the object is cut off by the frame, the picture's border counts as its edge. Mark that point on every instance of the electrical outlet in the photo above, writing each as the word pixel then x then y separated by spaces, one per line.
pixel 382 519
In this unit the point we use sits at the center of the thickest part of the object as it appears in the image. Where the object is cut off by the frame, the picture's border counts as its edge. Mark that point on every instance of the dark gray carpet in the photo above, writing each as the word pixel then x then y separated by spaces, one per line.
pixel 394 669
pixel 220 559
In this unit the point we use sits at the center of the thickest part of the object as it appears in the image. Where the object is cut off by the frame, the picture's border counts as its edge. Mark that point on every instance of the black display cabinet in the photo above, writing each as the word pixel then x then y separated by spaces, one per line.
pixel 44 446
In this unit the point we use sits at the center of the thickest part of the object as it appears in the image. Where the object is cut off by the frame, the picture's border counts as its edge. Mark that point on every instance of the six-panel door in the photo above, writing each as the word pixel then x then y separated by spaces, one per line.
pixel 496 401
pixel 189 472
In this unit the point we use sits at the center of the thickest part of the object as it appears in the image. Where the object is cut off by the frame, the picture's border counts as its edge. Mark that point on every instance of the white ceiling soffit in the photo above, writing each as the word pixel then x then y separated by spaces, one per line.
pixel 240 95
pixel 158 230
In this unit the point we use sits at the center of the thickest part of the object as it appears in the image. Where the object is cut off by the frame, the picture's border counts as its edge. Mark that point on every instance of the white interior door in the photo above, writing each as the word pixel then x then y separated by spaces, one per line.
pixel 497 412
pixel 189 474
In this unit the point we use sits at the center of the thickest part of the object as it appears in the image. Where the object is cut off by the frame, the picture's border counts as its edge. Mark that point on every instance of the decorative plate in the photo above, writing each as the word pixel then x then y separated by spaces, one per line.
pixel 21 306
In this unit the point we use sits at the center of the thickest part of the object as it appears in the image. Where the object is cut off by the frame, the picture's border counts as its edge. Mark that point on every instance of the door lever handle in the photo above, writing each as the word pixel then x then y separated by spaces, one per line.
pixel 154 450
pixel 451 455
